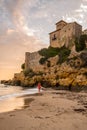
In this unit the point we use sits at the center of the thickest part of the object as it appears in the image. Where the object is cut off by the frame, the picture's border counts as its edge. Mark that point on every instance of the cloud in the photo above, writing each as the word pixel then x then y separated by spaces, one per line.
pixel 78 15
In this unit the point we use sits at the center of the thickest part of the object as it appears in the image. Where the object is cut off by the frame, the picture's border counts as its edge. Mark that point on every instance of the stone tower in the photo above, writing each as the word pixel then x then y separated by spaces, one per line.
pixel 32 61
pixel 65 34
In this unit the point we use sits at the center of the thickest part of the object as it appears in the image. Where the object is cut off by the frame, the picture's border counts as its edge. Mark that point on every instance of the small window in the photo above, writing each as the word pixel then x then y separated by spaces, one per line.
pixel 54 37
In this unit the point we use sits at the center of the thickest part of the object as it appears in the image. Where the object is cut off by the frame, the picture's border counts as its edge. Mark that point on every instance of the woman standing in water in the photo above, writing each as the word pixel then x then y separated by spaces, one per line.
pixel 39 87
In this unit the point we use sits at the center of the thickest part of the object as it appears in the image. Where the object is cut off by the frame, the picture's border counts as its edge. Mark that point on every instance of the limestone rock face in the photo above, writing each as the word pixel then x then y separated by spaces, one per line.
pixel 83 57
pixel 72 72
pixel 53 60
pixel 73 52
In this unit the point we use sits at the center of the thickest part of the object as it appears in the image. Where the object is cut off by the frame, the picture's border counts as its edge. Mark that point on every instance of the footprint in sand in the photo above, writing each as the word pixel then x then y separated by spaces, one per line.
pixel 39 117
pixel 1 118
pixel 12 115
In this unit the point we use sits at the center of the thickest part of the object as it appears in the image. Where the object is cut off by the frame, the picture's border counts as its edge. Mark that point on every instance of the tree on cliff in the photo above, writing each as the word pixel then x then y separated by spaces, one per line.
pixel 23 66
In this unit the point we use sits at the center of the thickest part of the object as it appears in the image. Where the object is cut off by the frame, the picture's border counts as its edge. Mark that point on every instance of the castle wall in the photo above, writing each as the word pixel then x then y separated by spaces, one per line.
pixel 78 30
pixel 66 34
pixel 54 39
pixel 32 61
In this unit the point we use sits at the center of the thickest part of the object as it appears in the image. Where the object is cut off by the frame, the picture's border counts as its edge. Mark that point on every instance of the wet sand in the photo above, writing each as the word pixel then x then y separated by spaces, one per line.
pixel 49 110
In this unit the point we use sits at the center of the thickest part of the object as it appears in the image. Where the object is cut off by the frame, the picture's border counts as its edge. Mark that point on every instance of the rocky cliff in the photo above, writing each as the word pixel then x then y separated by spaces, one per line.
pixel 61 69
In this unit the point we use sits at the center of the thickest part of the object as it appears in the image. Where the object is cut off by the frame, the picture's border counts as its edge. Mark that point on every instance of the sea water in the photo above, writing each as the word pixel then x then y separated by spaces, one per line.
pixel 9 94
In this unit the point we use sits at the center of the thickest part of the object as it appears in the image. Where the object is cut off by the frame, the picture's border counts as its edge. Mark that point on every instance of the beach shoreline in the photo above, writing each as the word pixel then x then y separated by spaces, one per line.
pixel 48 110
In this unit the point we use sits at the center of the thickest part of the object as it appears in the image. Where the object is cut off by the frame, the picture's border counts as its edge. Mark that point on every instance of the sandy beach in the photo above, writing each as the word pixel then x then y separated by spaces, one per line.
pixel 49 110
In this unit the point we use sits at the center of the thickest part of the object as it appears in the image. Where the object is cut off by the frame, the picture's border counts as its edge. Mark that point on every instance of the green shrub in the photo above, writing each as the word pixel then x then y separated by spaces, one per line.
pixel 43 52
pixel 29 73
pixel 80 43
pixel 49 52
pixel 23 66
pixel 42 60
pixel 63 53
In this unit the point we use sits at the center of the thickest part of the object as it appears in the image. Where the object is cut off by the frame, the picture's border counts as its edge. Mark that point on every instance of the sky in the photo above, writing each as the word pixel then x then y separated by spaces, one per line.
pixel 25 26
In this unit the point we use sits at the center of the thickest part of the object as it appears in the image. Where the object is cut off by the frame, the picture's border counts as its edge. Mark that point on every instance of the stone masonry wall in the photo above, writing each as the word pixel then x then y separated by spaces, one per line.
pixel 32 61
pixel 60 25
pixel 54 39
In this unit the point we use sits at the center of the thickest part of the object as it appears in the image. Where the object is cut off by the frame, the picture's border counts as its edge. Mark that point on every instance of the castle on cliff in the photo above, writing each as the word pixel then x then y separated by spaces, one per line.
pixel 49 68
pixel 65 34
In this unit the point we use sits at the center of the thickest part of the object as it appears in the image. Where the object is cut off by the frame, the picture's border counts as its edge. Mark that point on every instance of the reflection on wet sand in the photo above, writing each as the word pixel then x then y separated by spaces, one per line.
pixel 14 104
pixel 11 104
pixel 27 102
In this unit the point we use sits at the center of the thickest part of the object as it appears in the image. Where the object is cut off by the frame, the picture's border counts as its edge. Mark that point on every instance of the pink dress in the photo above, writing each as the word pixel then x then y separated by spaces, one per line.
pixel 39 87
